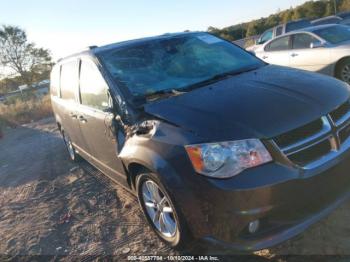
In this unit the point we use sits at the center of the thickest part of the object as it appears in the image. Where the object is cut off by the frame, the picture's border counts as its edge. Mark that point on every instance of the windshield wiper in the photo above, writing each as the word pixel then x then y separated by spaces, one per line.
pixel 217 78
pixel 164 94
pixel 175 92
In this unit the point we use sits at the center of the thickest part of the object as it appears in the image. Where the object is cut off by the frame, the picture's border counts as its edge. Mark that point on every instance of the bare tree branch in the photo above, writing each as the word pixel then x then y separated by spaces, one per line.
pixel 20 56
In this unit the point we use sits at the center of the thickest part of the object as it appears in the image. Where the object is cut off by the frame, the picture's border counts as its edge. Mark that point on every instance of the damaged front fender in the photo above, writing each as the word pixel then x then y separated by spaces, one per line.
pixel 151 144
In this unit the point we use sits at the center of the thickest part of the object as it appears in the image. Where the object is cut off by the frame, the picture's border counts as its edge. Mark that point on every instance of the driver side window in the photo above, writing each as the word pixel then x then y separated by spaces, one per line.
pixel 93 88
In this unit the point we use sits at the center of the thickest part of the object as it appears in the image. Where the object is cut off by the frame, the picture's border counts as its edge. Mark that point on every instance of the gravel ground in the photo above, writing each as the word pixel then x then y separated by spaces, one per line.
pixel 49 206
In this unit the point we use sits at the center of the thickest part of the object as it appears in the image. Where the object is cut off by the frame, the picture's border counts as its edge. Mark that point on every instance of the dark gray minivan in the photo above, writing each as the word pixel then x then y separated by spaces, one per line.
pixel 216 144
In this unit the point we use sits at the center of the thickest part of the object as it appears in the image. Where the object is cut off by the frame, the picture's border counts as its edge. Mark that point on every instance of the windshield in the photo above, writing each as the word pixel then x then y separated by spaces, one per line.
pixel 174 63
pixel 334 34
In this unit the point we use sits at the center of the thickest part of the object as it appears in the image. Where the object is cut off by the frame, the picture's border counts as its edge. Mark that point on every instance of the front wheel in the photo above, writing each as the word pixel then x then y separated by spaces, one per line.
pixel 343 71
pixel 160 211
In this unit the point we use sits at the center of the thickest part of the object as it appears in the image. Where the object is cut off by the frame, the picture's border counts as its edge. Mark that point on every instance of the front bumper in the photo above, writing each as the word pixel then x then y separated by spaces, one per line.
pixel 286 200
pixel 275 237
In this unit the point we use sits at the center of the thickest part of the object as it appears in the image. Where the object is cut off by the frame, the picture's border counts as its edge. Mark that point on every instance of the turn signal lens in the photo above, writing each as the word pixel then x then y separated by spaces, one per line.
pixel 196 157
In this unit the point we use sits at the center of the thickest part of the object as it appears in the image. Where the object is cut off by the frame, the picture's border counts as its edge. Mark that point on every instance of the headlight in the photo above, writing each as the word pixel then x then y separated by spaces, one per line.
pixel 227 159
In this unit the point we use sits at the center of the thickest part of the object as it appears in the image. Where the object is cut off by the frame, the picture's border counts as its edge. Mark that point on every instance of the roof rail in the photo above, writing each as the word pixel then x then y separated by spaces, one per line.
pixel 86 48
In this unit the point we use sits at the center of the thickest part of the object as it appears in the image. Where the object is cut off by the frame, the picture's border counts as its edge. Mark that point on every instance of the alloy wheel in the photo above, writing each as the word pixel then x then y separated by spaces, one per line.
pixel 159 209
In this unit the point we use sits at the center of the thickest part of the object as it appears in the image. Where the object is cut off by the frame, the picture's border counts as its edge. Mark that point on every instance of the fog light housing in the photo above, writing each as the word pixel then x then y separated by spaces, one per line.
pixel 253 227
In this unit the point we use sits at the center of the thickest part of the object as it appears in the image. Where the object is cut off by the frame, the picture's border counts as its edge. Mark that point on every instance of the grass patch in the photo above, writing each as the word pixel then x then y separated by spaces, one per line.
pixel 24 111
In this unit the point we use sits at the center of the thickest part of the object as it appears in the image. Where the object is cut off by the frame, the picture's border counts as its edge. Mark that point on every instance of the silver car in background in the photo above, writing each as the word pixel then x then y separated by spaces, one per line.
pixel 324 49
pixel 277 31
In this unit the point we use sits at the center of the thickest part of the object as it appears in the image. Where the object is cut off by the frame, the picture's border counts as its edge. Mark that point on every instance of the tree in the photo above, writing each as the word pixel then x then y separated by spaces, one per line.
pixel 252 29
pixel 213 30
pixel 272 21
pixel 298 13
pixel 309 10
pixel 21 57
pixel 286 15
pixel 330 8
pixel 345 5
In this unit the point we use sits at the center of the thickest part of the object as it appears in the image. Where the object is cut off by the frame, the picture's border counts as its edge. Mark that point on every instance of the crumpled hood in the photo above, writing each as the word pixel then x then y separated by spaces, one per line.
pixel 259 104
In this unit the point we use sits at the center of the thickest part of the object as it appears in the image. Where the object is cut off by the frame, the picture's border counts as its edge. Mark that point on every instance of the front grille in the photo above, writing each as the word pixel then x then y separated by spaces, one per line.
pixel 340 113
pixel 300 133
pixel 311 153
pixel 344 134
pixel 309 143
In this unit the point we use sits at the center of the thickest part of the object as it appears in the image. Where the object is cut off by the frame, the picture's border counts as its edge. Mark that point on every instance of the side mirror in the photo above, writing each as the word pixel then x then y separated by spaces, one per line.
pixel 108 110
pixel 316 44
pixel 108 105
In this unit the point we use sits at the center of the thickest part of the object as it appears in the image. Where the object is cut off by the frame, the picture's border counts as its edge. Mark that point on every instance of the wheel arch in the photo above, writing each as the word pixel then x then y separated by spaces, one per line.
pixel 338 63
pixel 137 158
pixel 133 170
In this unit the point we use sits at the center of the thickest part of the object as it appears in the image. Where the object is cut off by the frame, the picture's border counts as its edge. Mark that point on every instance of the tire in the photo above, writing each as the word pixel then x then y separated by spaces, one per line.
pixel 73 156
pixel 177 237
pixel 343 71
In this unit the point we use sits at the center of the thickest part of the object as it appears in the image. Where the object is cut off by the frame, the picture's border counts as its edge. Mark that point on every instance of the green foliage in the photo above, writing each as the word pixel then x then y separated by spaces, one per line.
pixel 308 10
pixel 252 29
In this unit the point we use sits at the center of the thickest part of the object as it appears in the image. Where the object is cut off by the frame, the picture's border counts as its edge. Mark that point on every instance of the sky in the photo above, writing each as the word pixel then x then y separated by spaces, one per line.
pixel 67 26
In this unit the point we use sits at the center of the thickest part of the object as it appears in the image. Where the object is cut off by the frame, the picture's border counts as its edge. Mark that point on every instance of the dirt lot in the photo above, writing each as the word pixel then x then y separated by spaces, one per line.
pixel 50 206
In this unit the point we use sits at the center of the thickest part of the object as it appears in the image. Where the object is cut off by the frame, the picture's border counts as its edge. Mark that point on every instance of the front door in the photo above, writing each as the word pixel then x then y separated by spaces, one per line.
pixel 312 59
pixel 277 52
pixel 96 122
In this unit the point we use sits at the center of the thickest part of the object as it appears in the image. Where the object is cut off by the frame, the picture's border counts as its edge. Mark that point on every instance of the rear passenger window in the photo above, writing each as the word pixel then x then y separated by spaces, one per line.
pixel 302 41
pixel 55 81
pixel 69 80
pixel 279 44
pixel 93 88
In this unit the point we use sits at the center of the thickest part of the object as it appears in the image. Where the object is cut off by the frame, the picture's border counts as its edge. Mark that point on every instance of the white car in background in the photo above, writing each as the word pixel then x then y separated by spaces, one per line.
pixel 323 49
pixel 277 31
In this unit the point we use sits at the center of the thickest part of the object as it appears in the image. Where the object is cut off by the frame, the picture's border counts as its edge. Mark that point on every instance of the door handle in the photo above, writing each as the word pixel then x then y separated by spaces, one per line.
pixel 82 119
pixel 265 57
pixel 294 55
pixel 72 115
